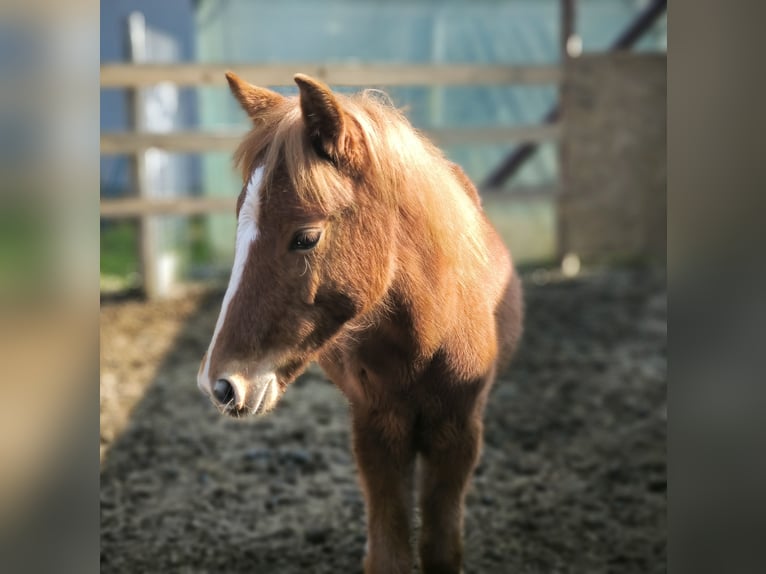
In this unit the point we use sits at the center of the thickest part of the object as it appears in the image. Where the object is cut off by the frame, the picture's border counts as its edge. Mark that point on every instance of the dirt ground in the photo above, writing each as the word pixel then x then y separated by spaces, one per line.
pixel 572 477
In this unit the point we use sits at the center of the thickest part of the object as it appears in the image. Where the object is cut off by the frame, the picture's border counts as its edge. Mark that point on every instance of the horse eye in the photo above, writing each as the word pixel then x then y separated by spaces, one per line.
pixel 305 240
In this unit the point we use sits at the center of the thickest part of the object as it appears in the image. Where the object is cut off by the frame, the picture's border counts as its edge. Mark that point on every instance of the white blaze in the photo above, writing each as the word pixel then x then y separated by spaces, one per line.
pixel 247 233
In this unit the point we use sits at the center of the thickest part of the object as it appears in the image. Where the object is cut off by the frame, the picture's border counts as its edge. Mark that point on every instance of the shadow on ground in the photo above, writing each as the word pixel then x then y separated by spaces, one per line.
pixel 572 478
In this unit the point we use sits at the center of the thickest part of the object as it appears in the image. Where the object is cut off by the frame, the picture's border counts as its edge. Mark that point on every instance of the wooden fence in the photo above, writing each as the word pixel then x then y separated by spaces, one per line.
pixel 136 76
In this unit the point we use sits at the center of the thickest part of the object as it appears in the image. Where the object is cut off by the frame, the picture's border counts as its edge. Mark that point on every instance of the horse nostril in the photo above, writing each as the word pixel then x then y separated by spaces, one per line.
pixel 223 391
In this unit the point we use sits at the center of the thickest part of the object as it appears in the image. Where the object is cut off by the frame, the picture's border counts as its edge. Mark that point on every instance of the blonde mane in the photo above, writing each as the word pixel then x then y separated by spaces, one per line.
pixel 404 169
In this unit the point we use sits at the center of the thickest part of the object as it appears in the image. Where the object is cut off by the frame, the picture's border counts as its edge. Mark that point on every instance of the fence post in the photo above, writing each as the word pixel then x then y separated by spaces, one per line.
pixel 147 232
pixel 571 46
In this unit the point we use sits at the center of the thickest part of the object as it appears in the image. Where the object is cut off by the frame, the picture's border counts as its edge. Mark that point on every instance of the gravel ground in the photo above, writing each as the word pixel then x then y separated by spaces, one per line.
pixel 572 477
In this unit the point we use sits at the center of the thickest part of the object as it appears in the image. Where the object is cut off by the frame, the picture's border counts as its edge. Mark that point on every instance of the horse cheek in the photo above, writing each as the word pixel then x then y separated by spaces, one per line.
pixel 309 283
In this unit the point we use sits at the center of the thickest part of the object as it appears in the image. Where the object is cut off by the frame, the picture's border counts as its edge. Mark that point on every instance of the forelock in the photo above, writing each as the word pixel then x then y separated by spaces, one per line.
pixel 280 143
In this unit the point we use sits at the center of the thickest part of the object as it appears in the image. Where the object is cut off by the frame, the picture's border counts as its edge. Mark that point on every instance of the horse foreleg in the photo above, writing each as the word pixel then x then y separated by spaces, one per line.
pixel 447 465
pixel 386 462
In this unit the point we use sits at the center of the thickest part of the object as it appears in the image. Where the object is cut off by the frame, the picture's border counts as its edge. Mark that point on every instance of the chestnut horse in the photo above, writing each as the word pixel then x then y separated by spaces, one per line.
pixel 360 246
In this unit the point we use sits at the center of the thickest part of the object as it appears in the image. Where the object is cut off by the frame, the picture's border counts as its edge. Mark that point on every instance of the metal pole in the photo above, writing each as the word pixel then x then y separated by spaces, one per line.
pixel 640 25
pixel 570 47
pixel 568 37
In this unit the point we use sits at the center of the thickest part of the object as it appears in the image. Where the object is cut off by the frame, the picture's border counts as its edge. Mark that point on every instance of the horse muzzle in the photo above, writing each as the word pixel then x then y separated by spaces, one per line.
pixel 238 395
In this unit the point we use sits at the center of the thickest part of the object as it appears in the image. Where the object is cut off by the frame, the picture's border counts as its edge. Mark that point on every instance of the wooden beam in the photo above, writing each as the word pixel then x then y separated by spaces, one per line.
pixel 180 142
pixel 118 75
pixel 525 193
pixel 199 142
pixel 148 230
pixel 640 25
pixel 488 136
pixel 137 207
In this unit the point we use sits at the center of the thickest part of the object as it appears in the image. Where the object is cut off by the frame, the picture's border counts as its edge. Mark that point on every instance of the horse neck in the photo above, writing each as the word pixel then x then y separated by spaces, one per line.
pixel 440 255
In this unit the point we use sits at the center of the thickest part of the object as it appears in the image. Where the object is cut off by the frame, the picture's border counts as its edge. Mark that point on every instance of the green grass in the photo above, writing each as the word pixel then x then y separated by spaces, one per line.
pixel 200 252
pixel 119 249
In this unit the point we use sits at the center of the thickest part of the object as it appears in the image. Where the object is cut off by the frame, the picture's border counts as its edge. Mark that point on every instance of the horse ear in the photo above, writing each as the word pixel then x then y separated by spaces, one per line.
pixel 254 100
pixel 327 124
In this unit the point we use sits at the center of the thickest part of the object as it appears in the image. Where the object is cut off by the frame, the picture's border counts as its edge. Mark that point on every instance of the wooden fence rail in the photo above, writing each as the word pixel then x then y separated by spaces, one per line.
pixel 199 142
pixel 140 207
pixel 139 75
pixel 340 74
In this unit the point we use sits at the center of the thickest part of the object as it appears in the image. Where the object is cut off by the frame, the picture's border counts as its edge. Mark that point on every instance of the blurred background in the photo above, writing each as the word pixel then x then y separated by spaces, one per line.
pixel 484 79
